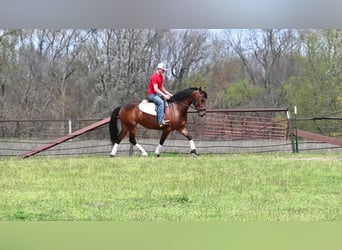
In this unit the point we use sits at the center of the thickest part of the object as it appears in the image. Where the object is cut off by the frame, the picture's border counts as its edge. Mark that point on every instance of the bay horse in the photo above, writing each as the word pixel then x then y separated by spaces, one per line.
pixel 176 112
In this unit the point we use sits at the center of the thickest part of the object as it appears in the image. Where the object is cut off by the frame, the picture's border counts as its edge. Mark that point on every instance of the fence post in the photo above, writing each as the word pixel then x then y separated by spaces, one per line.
pixel 286 130
pixel 291 131
pixel 196 127
pixel 130 152
pixel 70 126
pixel 295 114
pixel 244 127
pixel 17 129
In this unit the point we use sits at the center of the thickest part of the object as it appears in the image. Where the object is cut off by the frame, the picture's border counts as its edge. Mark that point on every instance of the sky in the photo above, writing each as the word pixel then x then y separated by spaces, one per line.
pixel 231 14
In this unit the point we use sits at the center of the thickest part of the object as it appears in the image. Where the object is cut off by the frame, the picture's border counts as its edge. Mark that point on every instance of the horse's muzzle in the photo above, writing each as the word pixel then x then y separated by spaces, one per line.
pixel 201 112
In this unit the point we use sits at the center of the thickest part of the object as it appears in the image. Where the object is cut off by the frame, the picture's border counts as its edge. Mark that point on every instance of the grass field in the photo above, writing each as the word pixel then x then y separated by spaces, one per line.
pixel 241 187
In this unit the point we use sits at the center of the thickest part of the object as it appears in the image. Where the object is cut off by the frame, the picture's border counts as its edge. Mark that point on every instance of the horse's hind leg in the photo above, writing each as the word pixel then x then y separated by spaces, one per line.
pixel 133 141
pixel 122 134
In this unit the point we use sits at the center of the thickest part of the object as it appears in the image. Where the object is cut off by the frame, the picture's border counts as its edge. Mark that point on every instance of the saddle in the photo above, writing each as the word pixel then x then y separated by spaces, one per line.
pixel 148 107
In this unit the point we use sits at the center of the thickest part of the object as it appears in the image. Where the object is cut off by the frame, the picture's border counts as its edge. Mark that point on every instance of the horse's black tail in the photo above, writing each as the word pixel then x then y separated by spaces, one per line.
pixel 113 125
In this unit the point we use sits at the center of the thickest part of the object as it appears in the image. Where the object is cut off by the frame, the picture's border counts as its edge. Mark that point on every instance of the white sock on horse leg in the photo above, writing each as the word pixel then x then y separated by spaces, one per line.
pixel 158 148
pixel 142 150
pixel 192 145
pixel 115 149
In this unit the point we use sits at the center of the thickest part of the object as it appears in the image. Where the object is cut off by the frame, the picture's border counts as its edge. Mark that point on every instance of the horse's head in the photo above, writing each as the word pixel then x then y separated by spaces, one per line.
pixel 191 96
pixel 199 101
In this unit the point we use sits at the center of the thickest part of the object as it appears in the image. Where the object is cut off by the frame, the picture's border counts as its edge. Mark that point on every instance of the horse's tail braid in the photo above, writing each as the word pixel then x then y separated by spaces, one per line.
pixel 113 125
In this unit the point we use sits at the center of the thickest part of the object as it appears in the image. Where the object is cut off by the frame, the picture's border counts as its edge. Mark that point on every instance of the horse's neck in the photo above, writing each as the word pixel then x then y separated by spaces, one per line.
pixel 184 104
pixel 187 102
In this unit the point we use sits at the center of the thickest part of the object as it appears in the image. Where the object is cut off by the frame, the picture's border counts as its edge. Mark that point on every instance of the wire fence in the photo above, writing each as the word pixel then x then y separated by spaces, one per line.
pixel 19 136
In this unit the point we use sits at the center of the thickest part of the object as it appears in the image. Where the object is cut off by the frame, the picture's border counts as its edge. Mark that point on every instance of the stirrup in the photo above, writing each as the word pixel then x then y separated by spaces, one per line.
pixel 164 123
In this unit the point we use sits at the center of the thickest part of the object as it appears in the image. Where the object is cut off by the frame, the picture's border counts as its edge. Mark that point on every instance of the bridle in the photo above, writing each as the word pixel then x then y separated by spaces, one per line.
pixel 196 108
pixel 191 105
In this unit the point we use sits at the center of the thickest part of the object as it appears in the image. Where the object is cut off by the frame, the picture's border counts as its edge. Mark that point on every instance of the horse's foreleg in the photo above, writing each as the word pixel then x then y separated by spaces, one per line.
pixel 141 149
pixel 191 142
pixel 157 151
pixel 192 146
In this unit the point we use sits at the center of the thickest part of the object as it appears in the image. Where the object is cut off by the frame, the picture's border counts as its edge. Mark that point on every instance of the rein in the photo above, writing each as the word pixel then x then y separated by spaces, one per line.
pixel 181 96
pixel 190 106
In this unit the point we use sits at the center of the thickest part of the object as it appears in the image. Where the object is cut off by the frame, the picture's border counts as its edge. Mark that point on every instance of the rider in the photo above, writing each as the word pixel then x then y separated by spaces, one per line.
pixel 157 93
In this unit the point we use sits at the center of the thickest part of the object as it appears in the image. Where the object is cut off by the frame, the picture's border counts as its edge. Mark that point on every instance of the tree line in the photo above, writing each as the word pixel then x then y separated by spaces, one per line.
pixel 74 74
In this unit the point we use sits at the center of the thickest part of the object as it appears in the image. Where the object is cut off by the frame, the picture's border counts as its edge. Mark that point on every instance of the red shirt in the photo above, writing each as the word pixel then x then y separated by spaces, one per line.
pixel 155 78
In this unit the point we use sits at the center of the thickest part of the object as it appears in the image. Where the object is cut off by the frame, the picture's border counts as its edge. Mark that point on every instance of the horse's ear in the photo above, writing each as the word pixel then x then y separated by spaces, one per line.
pixel 200 89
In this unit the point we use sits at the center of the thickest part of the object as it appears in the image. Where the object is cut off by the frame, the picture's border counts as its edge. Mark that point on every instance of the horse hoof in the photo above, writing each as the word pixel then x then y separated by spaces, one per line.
pixel 194 153
pixel 111 155
pixel 158 155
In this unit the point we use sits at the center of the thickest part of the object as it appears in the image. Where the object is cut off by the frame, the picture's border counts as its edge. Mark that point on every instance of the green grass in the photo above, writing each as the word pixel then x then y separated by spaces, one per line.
pixel 265 187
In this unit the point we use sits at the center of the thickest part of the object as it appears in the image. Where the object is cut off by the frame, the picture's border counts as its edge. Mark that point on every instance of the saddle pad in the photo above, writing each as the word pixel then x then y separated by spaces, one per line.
pixel 148 107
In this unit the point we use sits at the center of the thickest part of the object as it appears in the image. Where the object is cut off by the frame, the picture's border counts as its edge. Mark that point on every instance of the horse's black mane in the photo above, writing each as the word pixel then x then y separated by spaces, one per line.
pixel 181 95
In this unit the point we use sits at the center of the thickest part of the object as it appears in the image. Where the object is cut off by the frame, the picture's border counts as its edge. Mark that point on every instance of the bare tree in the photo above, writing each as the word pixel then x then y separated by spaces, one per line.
pixel 8 55
pixel 266 57
pixel 120 63
pixel 188 51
